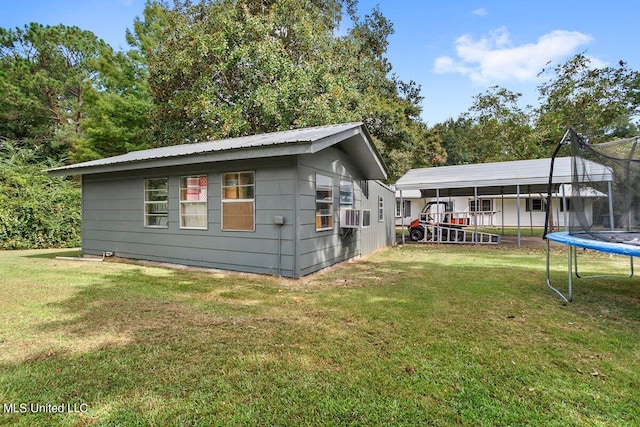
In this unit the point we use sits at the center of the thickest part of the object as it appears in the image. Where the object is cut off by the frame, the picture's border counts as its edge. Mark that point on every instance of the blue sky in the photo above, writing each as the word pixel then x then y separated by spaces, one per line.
pixel 455 49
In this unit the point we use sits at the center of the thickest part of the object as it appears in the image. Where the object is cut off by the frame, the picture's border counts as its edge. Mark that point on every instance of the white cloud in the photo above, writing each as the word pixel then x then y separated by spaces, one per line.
pixel 494 58
pixel 480 12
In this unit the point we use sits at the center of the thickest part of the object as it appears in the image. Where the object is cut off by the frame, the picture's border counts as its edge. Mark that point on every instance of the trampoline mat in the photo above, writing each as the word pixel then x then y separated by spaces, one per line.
pixel 615 242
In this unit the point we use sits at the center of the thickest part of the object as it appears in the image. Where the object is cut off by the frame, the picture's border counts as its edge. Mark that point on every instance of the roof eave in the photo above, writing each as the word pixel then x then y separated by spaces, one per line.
pixel 196 158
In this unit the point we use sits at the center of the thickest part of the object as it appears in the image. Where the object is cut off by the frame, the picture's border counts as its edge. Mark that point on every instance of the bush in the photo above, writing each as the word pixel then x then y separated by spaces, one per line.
pixel 36 211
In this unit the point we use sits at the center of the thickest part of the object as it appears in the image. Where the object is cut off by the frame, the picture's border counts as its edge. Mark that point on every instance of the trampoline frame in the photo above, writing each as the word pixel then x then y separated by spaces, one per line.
pixel 574 242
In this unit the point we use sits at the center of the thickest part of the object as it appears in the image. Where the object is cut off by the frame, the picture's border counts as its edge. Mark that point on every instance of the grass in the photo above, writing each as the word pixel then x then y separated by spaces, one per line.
pixel 413 335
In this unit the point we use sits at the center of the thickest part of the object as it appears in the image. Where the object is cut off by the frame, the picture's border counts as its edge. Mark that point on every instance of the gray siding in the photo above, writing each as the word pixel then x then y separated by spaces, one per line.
pixel 320 249
pixel 381 233
pixel 113 219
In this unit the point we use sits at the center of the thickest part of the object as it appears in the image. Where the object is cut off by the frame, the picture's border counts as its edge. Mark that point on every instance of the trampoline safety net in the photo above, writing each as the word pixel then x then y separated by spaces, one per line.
pixel 603 200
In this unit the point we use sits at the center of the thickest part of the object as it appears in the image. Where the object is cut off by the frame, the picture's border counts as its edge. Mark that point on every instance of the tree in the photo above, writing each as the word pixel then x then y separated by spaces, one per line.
pixel 228 68
pixel 495 128
pixel 502 130
pixel 67 91
pixel 47 72
pixel 223 70
pixel 454 138
pixel 601 103
pixel 118 116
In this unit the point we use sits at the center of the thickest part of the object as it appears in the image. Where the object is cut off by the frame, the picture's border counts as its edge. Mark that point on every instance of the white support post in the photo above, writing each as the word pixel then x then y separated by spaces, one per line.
pixel 475 217
pixel 437 216
pixel 564 208
pixel 530 210
pixel 518 210
pixel 611 218
pixel 502 208
pixel 401 216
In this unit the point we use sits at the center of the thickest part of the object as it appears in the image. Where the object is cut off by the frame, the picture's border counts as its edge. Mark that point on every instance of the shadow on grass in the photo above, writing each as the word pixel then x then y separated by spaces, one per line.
pixel 52 255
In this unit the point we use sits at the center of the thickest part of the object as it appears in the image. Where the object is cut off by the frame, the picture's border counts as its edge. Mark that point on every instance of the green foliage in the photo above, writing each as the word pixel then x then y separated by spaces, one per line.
pixel 600 103
pixel 46 74
pixel 453 136
pixel 227 68
pixel 65 90
pixel 35 211
pixel 207 70
pixel 118 116
pixel 494 129
pixel 503 127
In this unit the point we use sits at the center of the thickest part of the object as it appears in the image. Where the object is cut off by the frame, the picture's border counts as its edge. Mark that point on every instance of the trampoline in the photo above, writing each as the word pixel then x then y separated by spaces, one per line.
pixel 617 243
pixel 600 208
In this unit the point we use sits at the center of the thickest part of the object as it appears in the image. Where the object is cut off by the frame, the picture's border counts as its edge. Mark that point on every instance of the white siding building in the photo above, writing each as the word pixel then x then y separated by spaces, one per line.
pixel 509 194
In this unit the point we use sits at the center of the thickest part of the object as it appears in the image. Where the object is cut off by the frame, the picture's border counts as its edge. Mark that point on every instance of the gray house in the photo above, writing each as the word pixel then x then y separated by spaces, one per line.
pixel 286 203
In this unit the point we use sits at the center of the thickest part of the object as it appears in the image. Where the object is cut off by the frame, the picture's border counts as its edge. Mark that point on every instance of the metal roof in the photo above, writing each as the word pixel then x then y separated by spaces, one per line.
pixel 495 178
pixel 353 137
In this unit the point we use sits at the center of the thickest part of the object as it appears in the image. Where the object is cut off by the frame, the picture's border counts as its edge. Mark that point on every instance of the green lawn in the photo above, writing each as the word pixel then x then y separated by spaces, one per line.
pixel 414 335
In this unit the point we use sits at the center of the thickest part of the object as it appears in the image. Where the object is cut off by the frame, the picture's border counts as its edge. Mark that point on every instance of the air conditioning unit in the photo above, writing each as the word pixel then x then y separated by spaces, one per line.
pixel 350 218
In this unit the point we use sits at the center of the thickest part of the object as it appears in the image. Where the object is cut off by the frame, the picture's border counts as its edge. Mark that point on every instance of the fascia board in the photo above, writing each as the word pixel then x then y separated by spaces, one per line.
pixel 212 157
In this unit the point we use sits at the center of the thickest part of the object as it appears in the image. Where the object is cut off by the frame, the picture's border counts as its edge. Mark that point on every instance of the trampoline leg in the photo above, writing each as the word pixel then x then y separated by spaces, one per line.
pixel 575 259
pixel 569 297
pixel 569 273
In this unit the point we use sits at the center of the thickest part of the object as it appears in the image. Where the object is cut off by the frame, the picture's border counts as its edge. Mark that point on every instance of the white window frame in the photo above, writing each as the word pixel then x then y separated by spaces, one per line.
pixel 224 199
pixel 481 203
pixel 380 209
pixel 399 212
pixel 346 186
pixel 327 202
pixel 529 204
pixel 202 200
pixel 148 203
pixel 366 213
pixel 449 205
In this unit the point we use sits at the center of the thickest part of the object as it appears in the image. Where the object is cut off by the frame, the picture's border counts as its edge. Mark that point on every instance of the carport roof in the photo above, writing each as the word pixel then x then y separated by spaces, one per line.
pixel 532 176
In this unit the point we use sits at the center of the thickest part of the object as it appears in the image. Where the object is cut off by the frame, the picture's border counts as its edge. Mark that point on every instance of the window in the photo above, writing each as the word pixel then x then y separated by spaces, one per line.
pixel 324 202
pixel 380 209
pixel 535 205
pixel 238 201
pixel 346 193
pixel 193 202
pixel 448 206
pixel 407 208
pixel 155 202
pixel 569 207
pixel 485 205
pixel 366 217
pixel 364 185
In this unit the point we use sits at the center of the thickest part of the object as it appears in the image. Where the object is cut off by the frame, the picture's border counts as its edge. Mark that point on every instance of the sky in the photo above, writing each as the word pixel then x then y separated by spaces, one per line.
pixel 454 49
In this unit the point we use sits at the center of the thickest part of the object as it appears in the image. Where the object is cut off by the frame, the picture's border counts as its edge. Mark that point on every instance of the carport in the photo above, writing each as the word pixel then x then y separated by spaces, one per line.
pixel 494 179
